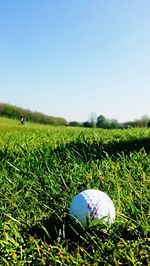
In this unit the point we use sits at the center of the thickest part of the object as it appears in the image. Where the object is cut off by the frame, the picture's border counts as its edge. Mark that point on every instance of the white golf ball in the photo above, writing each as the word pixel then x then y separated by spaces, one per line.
pixel 90 205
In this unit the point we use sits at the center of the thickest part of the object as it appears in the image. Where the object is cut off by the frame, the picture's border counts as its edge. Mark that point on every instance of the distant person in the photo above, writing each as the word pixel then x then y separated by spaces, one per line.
pixel 22 120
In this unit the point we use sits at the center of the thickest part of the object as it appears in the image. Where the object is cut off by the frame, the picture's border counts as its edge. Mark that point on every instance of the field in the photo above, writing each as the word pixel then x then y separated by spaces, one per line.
pixel 42 168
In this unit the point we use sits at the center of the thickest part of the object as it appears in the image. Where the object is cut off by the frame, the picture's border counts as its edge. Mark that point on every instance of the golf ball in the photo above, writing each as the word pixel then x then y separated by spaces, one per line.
pixel 90 205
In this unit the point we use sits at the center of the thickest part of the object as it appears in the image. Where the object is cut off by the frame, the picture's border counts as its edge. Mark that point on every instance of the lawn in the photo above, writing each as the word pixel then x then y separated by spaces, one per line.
pixel 42 168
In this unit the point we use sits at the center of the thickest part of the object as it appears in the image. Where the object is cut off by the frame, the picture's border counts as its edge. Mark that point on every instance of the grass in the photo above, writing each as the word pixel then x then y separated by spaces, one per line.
pixel 43 168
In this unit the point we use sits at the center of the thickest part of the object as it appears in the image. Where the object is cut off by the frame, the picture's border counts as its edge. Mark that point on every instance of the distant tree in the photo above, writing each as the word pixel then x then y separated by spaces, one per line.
pixel 148 124
pixel 74 124
pixel 144 120
pixel 102 122
pixel 87 124
pixel 92 119
pixel 114 124
pixel 127 125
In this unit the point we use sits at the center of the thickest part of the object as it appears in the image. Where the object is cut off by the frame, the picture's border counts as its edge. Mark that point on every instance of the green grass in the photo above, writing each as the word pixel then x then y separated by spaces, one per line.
pixel 42 168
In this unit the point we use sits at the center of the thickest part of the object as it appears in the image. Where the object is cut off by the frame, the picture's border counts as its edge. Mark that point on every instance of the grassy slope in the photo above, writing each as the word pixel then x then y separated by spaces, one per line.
pixel 7 122
pixel 41 170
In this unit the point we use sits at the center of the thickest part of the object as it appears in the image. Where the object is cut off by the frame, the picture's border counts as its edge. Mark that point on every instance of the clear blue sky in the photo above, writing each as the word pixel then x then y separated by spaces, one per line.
pixel 70 58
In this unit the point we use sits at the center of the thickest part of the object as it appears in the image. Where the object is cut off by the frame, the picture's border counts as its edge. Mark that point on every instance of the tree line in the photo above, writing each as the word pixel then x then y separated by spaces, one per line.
pixel 15 112
pixel 12 111
pixel 102 122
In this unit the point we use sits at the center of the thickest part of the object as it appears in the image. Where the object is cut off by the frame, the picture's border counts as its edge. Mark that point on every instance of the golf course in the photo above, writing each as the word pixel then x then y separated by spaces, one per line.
pixel 42 168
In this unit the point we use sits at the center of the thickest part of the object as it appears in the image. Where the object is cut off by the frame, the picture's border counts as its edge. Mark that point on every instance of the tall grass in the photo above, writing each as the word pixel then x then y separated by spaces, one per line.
pixel 42 169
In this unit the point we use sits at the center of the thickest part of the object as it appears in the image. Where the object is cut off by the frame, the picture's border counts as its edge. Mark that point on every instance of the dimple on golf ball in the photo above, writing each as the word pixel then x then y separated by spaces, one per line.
pixel 90 205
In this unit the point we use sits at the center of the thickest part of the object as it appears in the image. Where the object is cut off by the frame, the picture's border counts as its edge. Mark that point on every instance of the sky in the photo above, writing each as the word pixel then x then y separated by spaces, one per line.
pixel 73 59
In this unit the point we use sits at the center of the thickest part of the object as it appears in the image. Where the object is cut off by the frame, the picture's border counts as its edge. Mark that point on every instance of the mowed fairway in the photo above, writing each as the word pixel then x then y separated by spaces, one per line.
pixel 42 168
